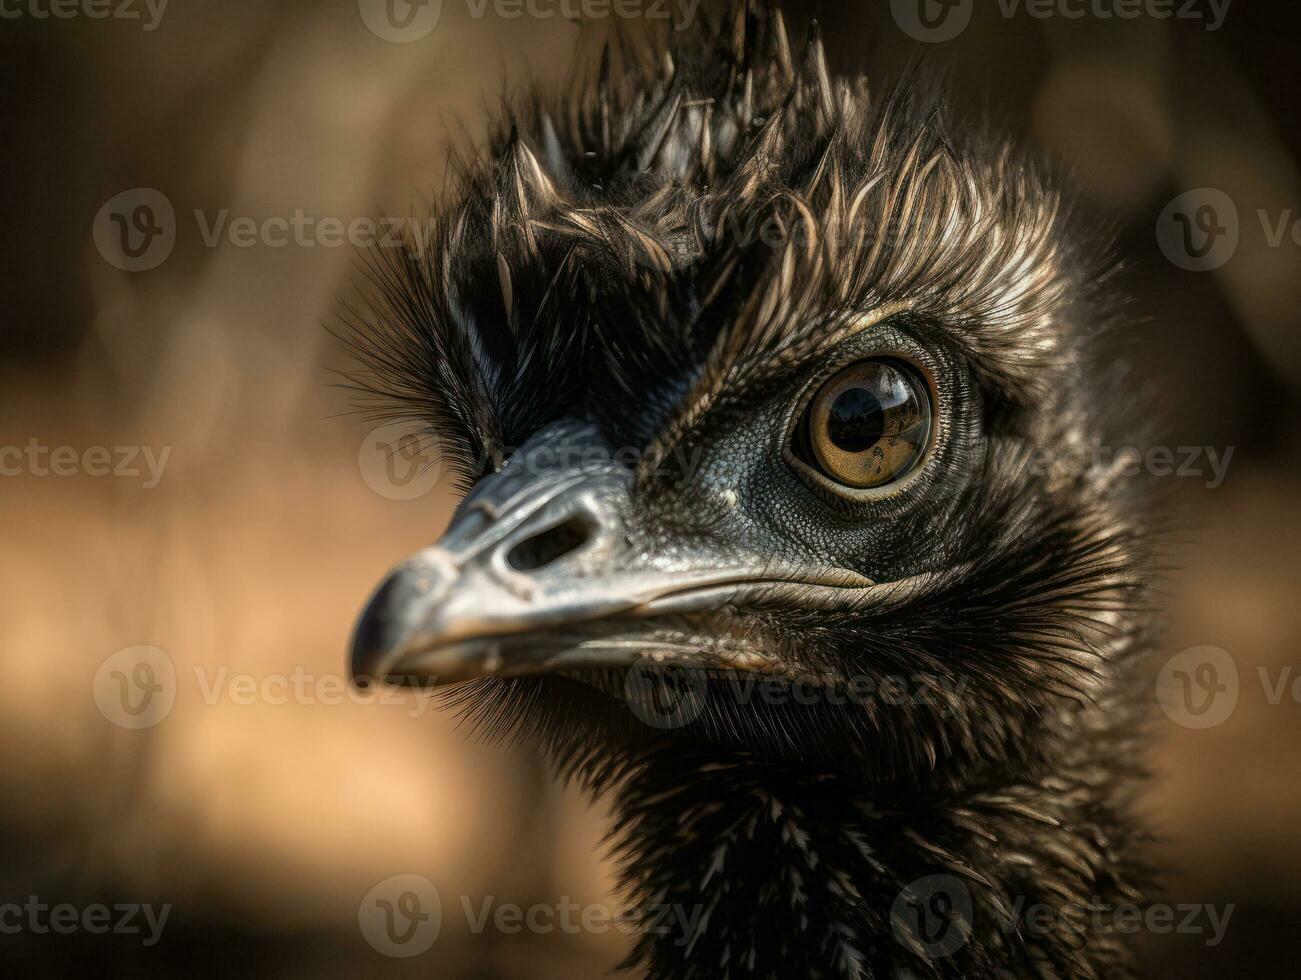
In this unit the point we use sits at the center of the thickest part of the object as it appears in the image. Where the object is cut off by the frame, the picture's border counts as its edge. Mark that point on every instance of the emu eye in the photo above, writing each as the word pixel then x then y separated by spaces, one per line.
pixel 868 426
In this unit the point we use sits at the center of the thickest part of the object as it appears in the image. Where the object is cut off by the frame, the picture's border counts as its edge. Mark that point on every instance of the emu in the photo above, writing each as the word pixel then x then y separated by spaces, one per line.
pixel 765 389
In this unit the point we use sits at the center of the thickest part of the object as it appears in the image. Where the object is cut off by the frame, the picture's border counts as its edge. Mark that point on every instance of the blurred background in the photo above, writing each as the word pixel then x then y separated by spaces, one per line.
pixel 258 798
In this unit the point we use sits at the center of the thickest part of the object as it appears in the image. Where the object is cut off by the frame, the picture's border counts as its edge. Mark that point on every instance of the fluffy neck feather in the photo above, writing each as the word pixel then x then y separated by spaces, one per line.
pixel 745 868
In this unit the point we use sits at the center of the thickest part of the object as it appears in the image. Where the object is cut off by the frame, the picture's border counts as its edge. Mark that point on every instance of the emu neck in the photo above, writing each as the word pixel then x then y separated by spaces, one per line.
pixel 745 868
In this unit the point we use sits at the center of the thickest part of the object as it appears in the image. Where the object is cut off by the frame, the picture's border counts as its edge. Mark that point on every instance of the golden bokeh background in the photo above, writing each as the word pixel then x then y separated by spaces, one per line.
pixel 264 824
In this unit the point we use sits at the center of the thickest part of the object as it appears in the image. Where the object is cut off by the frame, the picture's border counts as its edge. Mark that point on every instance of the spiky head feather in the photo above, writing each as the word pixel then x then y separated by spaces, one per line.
pixel 660 246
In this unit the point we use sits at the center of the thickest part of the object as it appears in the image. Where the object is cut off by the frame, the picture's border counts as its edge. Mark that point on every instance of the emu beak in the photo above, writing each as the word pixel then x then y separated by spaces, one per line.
pixel 534 557
pixel 536 549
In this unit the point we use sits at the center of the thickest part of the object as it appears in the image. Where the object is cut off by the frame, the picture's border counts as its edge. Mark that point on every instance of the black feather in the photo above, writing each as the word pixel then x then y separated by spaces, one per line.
pixel 611 267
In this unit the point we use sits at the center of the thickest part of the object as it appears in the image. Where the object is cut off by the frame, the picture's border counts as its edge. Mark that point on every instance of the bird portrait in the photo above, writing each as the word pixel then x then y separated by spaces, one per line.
pixel 769 388
pixel 664 489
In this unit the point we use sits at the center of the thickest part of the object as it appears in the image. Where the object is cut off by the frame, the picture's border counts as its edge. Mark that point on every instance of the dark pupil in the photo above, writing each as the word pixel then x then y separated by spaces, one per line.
pixel 856 421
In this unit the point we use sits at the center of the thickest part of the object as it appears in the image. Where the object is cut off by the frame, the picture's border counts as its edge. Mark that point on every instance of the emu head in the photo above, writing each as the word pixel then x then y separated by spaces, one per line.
pixel 766 390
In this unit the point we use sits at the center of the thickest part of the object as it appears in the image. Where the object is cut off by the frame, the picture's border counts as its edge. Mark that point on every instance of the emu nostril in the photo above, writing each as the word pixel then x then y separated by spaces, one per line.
pixel 542 549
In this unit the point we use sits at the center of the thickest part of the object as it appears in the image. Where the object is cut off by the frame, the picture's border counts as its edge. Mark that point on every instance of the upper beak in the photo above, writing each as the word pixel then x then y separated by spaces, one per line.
pixel 535 551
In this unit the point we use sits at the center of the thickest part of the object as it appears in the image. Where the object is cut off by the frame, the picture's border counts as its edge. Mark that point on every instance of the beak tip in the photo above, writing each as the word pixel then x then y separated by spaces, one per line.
pixel 377 633
pixel 370 656
pixel 366 660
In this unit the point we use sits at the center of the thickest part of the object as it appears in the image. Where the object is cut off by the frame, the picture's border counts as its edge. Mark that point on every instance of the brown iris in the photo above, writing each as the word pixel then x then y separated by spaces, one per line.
pixel 869 425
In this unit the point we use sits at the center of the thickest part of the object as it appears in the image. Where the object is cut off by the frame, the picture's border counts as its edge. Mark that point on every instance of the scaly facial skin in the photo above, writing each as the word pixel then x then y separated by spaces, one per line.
pixel 739 560
pixel 809 490
pixel 567 584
